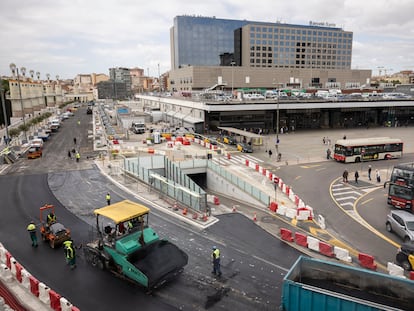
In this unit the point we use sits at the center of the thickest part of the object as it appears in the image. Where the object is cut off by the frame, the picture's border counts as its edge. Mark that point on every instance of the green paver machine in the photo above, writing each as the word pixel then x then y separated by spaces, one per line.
pixel 128 247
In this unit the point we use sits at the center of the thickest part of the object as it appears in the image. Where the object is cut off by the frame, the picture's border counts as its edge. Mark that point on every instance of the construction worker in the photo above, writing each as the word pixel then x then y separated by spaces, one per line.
pixel 51 218
pixel 108 198
pixel 77 156
pixel 216 261
pixel 70 253
pixel 32 231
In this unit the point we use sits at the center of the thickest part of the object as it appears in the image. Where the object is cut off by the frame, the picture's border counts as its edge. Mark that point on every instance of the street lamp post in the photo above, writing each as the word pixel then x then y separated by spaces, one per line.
pixel 232 77
pixel 14 70
pixel 4 112
pixel 277 123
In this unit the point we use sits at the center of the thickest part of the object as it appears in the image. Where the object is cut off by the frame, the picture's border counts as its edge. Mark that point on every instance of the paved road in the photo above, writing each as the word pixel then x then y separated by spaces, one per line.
pixel 253 262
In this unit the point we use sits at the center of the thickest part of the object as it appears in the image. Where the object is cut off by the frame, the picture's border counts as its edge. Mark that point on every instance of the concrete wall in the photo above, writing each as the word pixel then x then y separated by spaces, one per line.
pixel 218 184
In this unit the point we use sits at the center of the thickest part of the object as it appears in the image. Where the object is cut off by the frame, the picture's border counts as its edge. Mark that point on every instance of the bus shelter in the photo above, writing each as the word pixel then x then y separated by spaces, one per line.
pixel 254 139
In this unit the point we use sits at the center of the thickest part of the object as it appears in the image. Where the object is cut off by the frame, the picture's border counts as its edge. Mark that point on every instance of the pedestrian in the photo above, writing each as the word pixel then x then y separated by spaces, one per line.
pixel 356 176
pixel 70 253
pixel 345 176
pixel 369 172
pixel 328 154
pixel 344 137
pixel 378 175
pixel 279 157
pixel 77 156
pixel 324 140
pixel 32 231
pixel 270 153
pixel 216 261
pixel 74 140
pixel 69 154
pixel 108 198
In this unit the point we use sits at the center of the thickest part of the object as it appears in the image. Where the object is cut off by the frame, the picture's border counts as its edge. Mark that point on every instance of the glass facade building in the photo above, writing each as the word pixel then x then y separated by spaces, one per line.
pixel 296 46
pixel 199 41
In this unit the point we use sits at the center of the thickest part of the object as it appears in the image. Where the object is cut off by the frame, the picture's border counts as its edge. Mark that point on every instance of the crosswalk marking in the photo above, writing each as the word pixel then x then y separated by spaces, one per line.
pixel 346 198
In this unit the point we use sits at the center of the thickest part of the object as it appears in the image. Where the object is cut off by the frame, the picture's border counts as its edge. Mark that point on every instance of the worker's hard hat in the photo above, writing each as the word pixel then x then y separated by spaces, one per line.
pixel 214 247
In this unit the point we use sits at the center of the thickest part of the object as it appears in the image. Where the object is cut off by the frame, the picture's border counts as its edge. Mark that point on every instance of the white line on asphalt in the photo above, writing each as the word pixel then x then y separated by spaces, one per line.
pixel 347 192
pixel 345 198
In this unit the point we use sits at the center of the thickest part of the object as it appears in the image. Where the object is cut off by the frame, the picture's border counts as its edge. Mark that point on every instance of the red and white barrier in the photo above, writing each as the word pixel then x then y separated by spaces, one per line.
pixel 395 270
pixel 44 293
pixel 65 305
pixel 367 261
pixel 342 254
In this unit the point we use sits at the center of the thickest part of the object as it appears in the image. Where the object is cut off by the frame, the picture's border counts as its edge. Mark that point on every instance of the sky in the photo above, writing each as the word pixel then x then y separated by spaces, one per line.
pixel 70 37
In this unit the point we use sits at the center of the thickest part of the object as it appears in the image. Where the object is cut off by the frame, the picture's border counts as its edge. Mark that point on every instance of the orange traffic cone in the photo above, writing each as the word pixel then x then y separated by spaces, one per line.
pixel 234 209
pixel 254 217
pixel 185 211
pixel 205 217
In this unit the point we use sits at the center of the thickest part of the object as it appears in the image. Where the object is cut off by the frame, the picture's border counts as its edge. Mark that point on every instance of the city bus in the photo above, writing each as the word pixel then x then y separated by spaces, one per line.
pixel 367 149
pixel 401 187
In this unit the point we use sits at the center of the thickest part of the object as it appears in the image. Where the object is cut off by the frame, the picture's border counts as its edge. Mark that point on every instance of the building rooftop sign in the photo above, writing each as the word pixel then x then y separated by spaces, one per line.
pixel 321 24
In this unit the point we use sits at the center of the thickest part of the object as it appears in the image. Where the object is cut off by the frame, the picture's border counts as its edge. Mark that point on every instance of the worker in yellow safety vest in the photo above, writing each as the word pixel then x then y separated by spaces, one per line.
pixel 70 253
pixel 77 156
pixel 108 198
pixel 32 231
pixel 216 261
pixel 51 218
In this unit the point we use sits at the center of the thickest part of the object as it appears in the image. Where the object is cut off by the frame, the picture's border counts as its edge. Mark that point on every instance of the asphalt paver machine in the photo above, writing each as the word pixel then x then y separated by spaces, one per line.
pixel 129 248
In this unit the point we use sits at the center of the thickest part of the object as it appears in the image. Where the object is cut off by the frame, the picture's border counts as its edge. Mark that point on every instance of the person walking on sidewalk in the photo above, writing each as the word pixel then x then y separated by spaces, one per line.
pixel 356 176
pixel 108 198
pixel 270 153
pixel 328 154
pixel 77 156
pixel 369 172
pixel 345 176
pixel 69 154
pixel 216 261
pixel 32 231
pixel 74 140
pixel 378 175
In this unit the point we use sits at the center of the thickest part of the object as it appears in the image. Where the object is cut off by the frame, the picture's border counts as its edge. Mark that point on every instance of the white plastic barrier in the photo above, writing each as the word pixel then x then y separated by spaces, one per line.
pixel 44 293
pixel 65 305
pixel 13 266
pixel 301 204
pixel 313 243
pixel 5 273
pixel 310 208
pixel 281 209
pixel 292 196
pixel 342 254
pixel 321 222
pixel 25 278
pixel 395 270
pixel 3 252
pixel 290 213
pixel 210 198
pixel 303 214
pixel 284 188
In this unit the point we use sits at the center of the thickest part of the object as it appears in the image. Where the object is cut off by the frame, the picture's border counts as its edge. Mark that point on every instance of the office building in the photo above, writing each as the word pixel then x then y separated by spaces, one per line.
pixel 241 54
pixel 123 75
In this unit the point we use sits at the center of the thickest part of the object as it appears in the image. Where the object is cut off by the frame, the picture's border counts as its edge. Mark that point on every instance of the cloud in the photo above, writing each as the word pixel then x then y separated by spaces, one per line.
pixel 70 37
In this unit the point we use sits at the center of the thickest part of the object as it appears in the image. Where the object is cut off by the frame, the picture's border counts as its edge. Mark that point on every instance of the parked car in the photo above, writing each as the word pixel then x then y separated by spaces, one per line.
pixel 405 256
pixel 401 223
pixel 242 147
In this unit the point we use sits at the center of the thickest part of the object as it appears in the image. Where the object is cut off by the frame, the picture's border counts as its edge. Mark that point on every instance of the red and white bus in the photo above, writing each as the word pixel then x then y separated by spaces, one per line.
pixel 401 187
pixel 367 149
